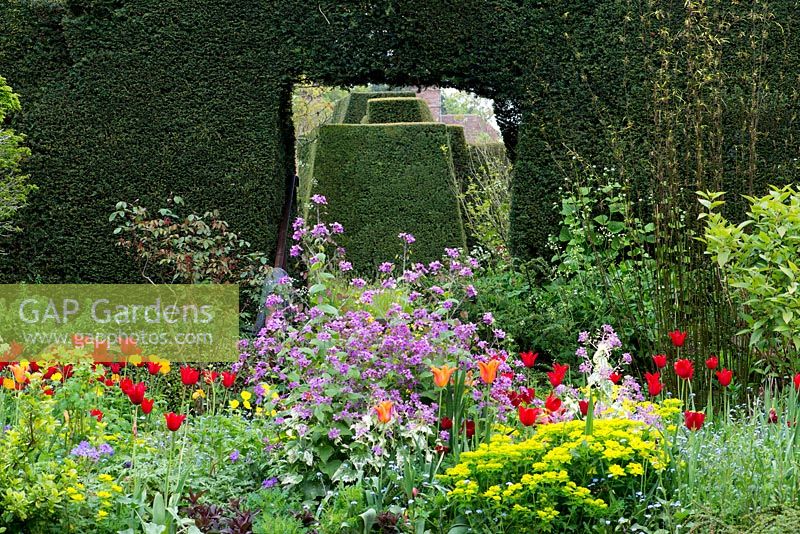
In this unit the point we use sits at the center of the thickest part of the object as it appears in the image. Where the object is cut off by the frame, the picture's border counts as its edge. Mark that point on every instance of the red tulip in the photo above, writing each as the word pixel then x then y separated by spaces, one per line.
pixel 677 337
pixel 189 376
pixel 228 379
pixel 660 360
pixel 153 367
pixel 470 426
pixel 712 363
pixel 115 368
pixel 446 423
pixel 584 407
pixel 654 385
pixel 552 403
pixel 684 369
pixel 50 372
pixel 797 381
pixel 528 358
pixel 442 449
pixel 125 385
pixel 209 377
pixel 174 421
pixel 694 420
pixel 109 382
pixel 724 377
pixel 556 376
pixel 615 377
pixel 528 416
pixel 97 414
pixel 136 393
pixel 147 406
pixel 773 416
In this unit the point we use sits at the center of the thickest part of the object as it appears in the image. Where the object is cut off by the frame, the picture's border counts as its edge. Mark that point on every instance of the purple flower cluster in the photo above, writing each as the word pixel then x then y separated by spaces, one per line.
pixel 86 450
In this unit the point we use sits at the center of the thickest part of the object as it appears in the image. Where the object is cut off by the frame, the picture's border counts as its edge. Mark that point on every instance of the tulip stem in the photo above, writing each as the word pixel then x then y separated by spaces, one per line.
pixel 590 415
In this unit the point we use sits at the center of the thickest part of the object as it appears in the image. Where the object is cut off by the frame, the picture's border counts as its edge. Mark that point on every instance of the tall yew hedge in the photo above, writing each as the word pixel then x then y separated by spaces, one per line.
pixel 132 99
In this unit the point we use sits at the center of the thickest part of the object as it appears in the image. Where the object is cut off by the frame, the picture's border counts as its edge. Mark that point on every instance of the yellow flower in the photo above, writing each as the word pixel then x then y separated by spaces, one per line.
pixel 164 367
pixel 635 468
pixel 246 404
pixel 233 404
pixel 105 477
pixel 56 377
pixel 616 471
pixel 199 393
pixel 8 383
pixel 77 497
pixel 246 395
pixel 116 488
pixel 103 494
pixel 101 514
pixel 135 359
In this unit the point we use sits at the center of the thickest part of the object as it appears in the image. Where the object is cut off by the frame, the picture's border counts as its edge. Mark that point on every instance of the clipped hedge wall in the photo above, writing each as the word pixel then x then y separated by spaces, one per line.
pixel 390 110
pixel 150 104
pixel 381 180
pixel 126 99
pixel 352 109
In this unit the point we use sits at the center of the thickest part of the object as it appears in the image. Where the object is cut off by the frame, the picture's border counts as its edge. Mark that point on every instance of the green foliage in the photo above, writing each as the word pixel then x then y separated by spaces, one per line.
pixel 391 110
pixel 741 471
pixel 137 100
pixel 192 249
pixel 757 259
pixel 353 108
pixel 381 180
pixel 486 197
pixel 702 84
pixel 14 188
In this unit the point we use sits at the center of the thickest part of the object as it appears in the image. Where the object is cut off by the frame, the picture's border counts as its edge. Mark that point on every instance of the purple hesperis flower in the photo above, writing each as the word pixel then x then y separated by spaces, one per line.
pixel 319 200
pixel 407 238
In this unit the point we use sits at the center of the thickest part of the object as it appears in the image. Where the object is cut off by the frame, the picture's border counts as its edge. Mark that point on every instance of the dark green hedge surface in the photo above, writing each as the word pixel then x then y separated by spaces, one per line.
pixel 381 180
pixel 353 108
pixel 389 110
pixel 156 98
pixel 127 99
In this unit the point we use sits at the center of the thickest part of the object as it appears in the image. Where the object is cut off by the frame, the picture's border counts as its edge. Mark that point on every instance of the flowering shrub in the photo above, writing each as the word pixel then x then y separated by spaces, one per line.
pixel 559 479
pixel 352 375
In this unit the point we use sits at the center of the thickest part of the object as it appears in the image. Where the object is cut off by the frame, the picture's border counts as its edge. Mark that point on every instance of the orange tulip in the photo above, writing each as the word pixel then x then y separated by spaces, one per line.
pixel 19 373
pixel 441 375
pixel 489 370
pixel 384 410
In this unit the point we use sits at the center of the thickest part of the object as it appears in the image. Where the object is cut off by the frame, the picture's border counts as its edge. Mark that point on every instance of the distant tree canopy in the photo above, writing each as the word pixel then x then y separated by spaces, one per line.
pixel 140 99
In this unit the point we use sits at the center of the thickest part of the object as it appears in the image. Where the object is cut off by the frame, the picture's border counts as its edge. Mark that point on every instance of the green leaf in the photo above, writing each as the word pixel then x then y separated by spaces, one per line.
pixel 328 309
pixel 316 288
